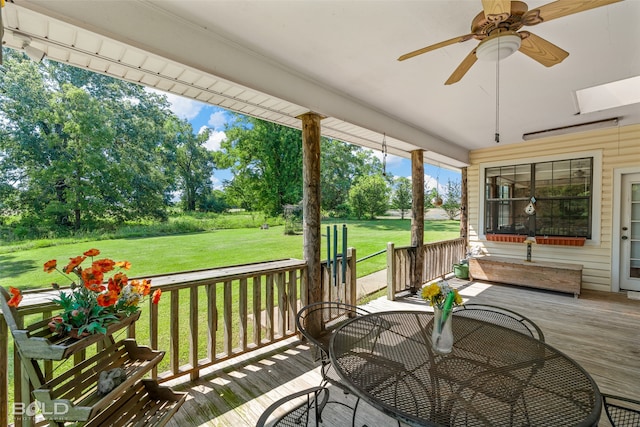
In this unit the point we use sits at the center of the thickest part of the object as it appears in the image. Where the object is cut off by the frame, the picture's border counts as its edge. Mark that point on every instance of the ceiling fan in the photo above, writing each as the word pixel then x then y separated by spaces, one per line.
pixel 497 29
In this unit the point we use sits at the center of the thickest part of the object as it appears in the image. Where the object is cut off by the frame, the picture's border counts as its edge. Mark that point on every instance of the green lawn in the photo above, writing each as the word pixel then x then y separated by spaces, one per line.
pixel 172 253
pixel 166 254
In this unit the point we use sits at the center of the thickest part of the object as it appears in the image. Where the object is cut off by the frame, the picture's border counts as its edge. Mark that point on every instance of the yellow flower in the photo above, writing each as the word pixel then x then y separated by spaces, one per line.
pixel 431 292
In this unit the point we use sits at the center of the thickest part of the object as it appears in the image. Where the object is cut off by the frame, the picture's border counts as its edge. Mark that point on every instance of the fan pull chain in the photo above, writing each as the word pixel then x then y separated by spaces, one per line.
pixel 497 135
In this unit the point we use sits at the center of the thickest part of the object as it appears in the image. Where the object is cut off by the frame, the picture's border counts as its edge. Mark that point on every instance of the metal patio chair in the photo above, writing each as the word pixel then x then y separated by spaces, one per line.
pixel 501 316
pixel 621 411
pixel 307 409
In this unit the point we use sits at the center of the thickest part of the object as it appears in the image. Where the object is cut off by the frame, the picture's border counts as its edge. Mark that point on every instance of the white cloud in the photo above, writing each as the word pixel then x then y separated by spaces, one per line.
pixel 218 119
pixel 182 107
pixel 217 184
pixel 215 138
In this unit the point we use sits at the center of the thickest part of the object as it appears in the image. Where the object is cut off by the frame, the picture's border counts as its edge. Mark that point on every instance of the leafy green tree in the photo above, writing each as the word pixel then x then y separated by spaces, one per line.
pixel 194 163
pixel 451 204
pixel 341 164
pixel 266 162
pixel 402 195
pixel 369 196
pixel 77 147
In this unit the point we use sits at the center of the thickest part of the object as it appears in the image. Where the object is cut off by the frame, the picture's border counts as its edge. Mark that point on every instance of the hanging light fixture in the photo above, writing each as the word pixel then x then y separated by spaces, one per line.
pixel 495 48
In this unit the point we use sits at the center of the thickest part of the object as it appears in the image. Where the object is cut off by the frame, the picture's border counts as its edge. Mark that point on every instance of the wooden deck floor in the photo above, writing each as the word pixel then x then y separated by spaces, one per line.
pixel 601 331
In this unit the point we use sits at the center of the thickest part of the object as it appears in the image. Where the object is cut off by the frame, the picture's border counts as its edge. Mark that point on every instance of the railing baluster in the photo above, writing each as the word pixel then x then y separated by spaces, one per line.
pixel 257 311
pixel 175 330
pixel 292 305
pixel 269 306
pixel 212 321
pixel 282 304
pixel 193 330
pixel 227 316
pixel 153 333
pixel 242 314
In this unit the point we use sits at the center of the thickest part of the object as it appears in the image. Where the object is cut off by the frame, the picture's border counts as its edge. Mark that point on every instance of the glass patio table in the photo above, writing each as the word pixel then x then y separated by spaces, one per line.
pixel 494 376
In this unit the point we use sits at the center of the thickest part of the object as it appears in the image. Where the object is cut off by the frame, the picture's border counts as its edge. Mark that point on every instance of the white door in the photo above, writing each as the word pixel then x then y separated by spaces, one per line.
pixel 630 233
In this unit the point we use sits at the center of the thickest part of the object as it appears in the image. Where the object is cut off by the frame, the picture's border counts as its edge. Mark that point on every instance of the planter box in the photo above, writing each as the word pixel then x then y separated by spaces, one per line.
pixel 540 240
pixel 554 276
pixel 561 241
pixel 37 341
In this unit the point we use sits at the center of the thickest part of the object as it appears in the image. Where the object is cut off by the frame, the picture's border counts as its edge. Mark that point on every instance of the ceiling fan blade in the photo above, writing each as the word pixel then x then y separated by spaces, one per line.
pixel 496 10
pixel 459 39
pixel 462 69
pixel 560 8
pixel 541 50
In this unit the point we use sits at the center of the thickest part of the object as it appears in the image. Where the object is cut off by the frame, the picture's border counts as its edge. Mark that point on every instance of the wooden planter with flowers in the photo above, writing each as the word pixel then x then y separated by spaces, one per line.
pixel 107 388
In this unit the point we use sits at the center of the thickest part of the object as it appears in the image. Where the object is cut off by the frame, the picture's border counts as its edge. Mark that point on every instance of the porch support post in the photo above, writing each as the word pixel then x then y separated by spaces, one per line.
pixel 417 217
pixel 311 203
pixel 464 218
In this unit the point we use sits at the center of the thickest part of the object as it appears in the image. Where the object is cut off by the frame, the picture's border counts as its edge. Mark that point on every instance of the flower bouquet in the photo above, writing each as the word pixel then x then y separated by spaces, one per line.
pixel 442 298
pixel 89 306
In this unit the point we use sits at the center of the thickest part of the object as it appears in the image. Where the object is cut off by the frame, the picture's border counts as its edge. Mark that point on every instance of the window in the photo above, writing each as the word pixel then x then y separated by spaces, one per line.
pixel 560 191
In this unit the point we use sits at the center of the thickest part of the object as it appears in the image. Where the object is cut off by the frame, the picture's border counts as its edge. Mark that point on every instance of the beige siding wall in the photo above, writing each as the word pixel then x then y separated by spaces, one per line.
pixel 617 147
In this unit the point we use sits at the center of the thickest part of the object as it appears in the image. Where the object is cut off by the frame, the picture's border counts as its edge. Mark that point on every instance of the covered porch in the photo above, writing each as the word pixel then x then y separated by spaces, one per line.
pixel 595 330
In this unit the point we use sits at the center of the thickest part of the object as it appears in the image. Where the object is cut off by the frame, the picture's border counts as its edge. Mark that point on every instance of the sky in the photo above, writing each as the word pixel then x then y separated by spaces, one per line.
pixel 202 116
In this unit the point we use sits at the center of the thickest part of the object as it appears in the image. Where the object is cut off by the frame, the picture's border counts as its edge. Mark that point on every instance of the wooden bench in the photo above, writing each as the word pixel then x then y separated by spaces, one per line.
pixel 555 276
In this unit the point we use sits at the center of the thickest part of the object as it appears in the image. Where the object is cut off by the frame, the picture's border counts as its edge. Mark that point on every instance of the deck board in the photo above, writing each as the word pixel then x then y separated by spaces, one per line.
pixel 599 330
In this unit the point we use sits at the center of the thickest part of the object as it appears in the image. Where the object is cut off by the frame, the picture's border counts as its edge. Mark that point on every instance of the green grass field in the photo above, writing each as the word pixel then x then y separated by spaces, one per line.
pixel 23 269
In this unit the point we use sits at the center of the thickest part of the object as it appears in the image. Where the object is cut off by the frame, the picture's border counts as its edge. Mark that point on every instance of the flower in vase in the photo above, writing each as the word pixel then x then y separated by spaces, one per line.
pixel 436 293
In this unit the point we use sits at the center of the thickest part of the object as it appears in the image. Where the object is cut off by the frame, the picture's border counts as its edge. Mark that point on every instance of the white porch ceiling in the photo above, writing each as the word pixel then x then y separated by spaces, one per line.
pixel 277 59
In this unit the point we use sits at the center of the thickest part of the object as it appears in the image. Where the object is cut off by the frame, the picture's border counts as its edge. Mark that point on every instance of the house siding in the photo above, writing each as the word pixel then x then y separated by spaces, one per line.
pixel 618 147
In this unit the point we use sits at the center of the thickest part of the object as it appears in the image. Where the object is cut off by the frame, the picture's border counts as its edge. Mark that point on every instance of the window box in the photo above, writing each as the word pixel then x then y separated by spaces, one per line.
pixel 509 238
pixel 554 240
pixel 561 241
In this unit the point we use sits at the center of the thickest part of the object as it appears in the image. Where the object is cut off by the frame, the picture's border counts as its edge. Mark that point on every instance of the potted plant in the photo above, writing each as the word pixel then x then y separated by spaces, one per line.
pixel 93 301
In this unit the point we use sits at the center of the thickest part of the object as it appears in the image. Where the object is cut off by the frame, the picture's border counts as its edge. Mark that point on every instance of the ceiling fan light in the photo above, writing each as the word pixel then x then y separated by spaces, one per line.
pixel 498 47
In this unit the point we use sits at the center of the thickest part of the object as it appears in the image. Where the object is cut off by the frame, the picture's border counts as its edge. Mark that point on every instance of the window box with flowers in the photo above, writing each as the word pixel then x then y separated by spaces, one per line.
pixel 93 306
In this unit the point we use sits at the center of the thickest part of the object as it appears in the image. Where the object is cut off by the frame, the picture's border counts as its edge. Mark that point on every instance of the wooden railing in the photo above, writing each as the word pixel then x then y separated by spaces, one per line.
pixel 204 317
pixel 438 260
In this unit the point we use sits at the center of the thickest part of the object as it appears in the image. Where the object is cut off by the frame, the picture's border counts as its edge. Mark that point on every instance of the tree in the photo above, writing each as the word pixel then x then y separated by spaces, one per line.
pixel 452 197
pixel 341 165
pixel 369 196
pixel 266 162
pixel 77 146
pixel 402 195
pixel 194 163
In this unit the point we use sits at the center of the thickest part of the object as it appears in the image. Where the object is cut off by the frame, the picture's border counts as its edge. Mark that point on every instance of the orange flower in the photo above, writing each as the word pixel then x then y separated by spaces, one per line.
pixel 123 264
pixel 117 282
pixel 50 266
pixel 16 297
pixel 155 298
pixel 73 263
pixel 92 276
pixel 92 252
pixel 95 287
pixel 143 287
pixel 107 299
pixel 104 265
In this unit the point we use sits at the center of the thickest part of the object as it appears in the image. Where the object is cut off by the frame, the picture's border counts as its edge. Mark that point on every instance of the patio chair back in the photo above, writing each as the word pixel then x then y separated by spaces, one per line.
pixel 307 409
pixel 622 411
pixel 330 316
pixel 501 316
